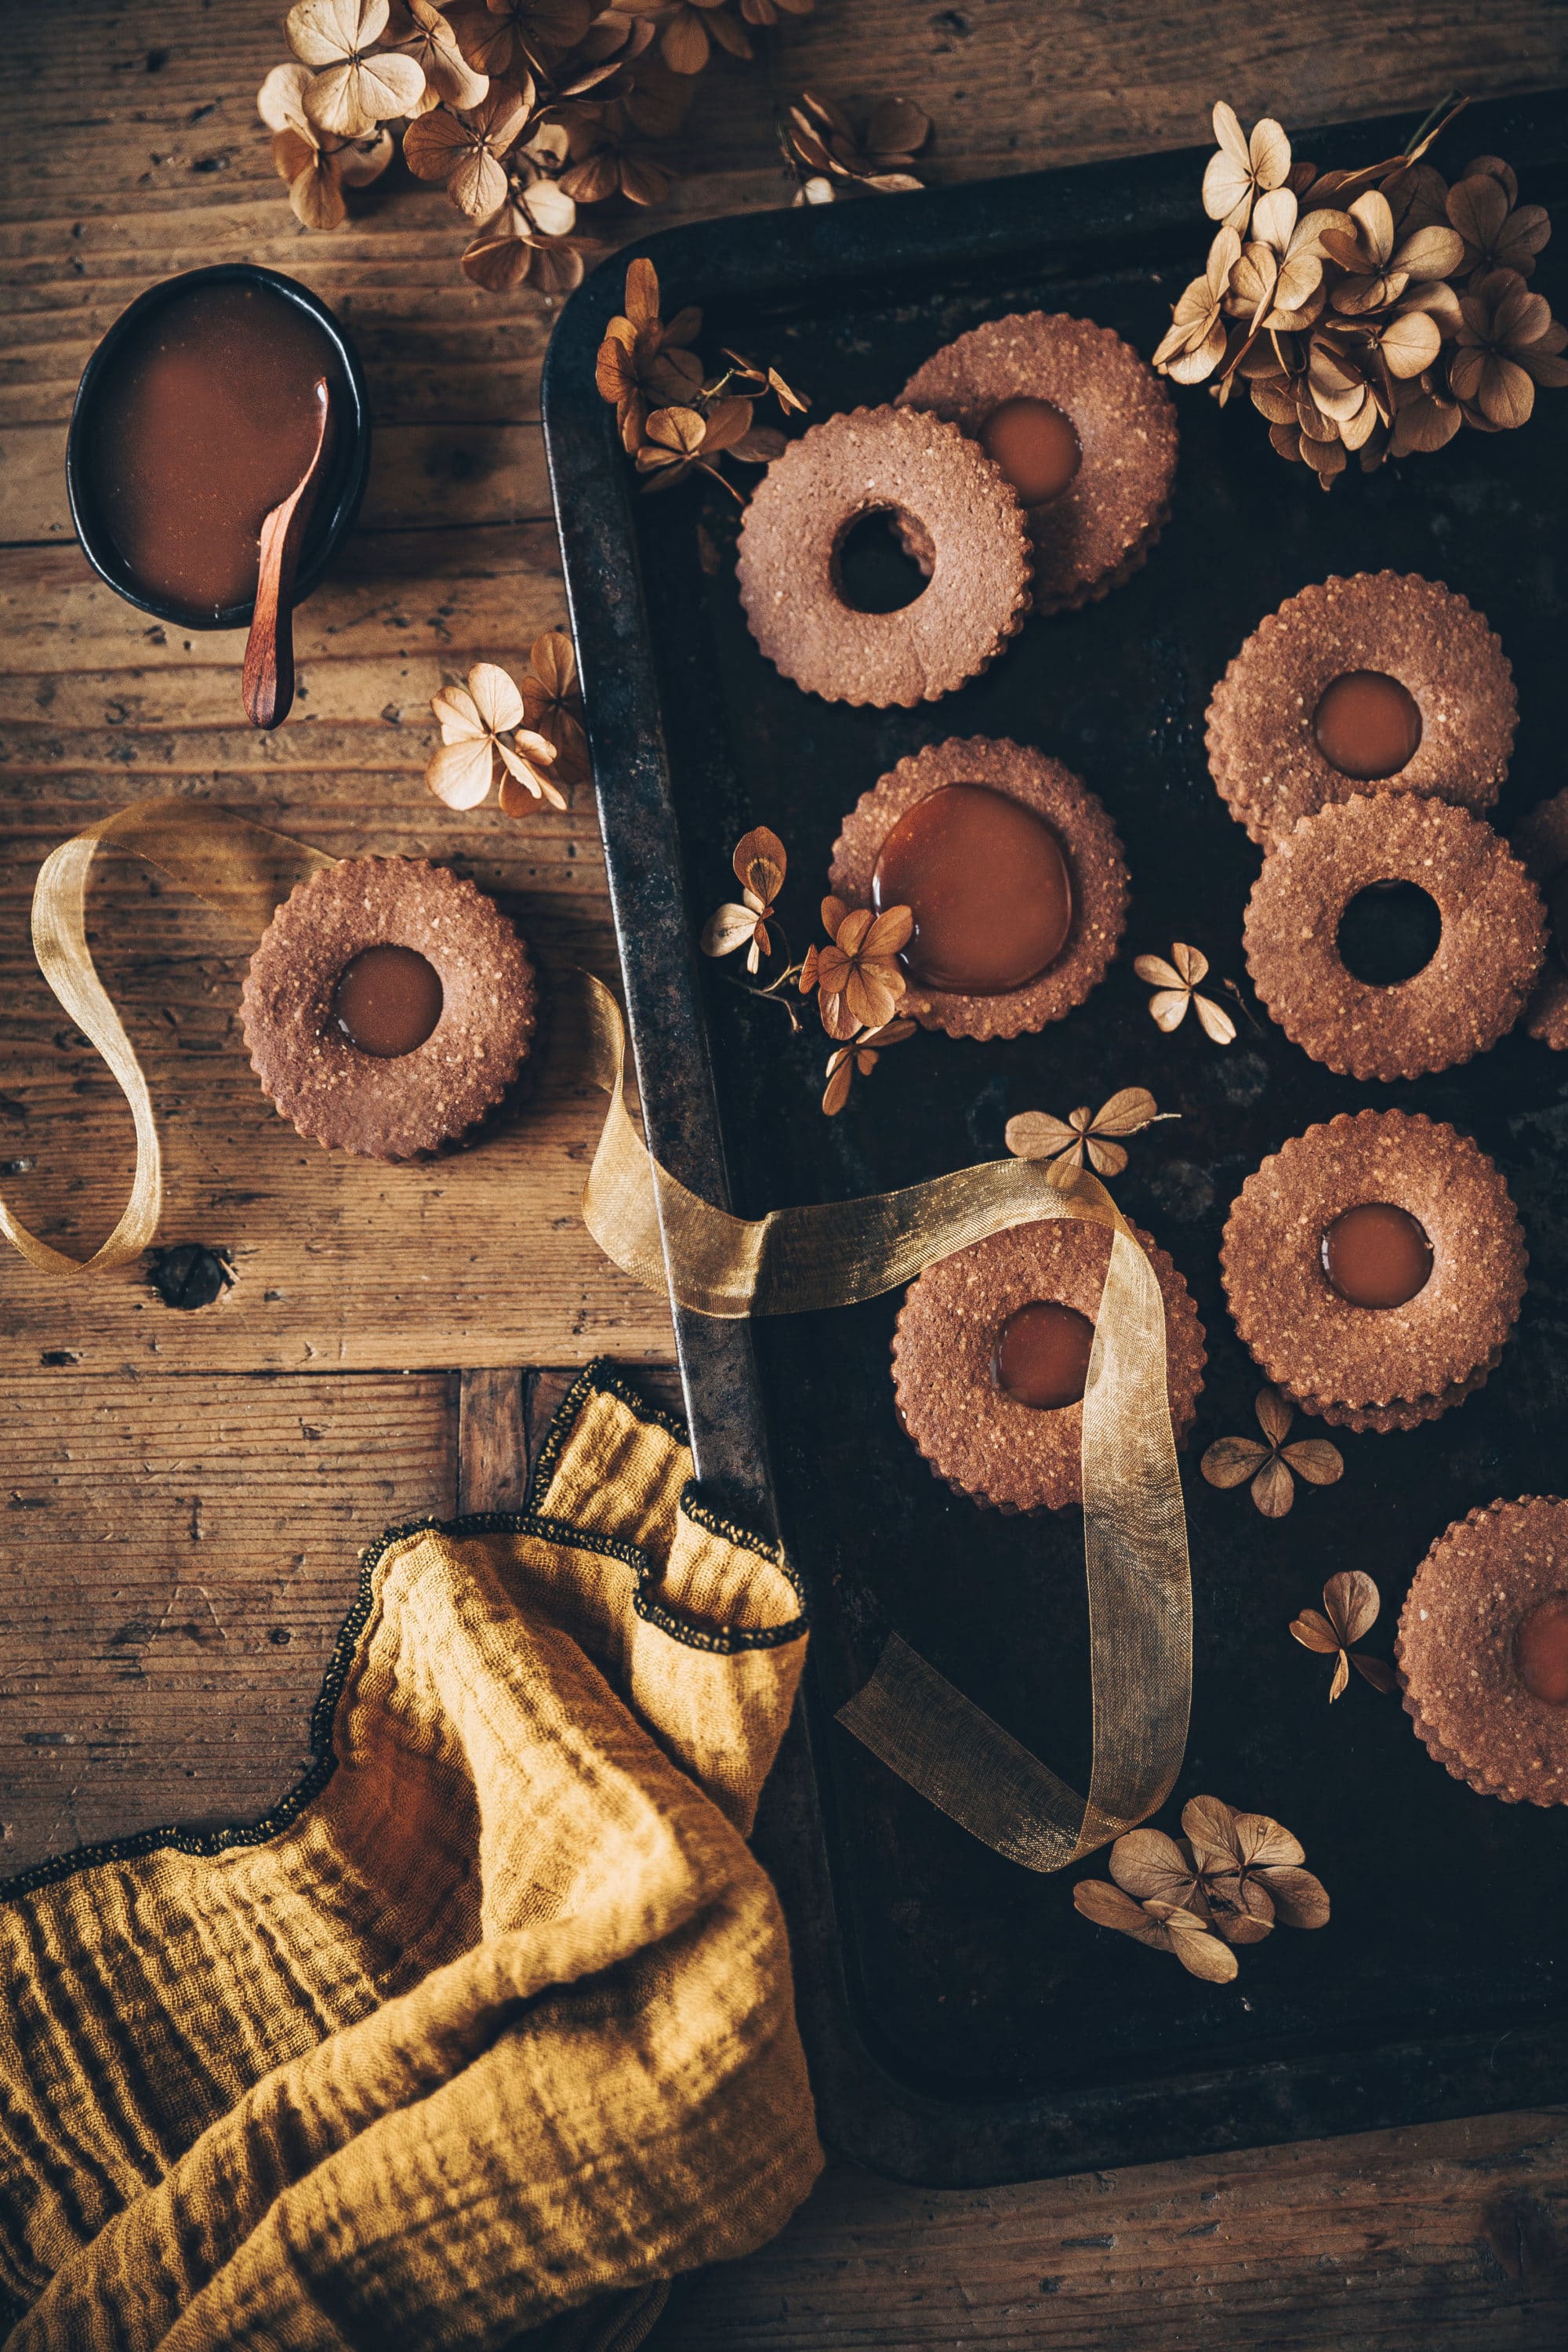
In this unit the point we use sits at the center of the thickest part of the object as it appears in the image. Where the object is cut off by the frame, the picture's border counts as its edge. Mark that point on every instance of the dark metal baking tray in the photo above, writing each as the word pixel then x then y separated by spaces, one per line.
pixel 963 2024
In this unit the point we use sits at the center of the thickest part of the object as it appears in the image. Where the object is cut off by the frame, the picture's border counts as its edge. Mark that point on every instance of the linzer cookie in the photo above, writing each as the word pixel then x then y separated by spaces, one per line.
pixel 1541 840
pixel 991 1353
pixel 947 499
pixel 388 1006
pixel 1384 680
pixel 1083 430
pixel 1375 1268
pixel 1482 1649
pixel 1014 872
pixel 1331 903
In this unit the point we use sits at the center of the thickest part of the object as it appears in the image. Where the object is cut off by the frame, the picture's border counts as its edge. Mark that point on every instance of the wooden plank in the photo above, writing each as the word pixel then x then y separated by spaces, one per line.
pixel 489 1240
pixel 455 594
pixel 492 1441
pixel 176 1557
pixel 440 475
pixel 1455 2235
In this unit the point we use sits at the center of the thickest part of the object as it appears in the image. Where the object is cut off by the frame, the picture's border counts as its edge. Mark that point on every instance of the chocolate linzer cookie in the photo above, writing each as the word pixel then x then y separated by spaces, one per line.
pixel 991 1353
pixel 1332 866
pixel 388 1006
pixel 1014 874
pixel 1541 840
pixel 1082 429
pixel 953 508
pixel 1384 681
pixel 1482 1650
pixel 1375 1268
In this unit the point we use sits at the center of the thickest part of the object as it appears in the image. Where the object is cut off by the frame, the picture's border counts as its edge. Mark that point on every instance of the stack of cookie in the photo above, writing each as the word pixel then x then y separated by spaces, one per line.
pixel 1028 465
pixel 1359 735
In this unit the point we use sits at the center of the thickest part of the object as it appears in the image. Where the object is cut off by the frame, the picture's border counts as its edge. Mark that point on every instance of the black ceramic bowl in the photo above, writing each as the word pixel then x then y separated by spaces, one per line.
pixel 341 493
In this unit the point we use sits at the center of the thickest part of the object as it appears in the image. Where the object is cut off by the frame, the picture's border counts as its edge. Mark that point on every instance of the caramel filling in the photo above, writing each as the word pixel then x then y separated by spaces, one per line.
pixel 1042 1354
pixel 387 1001
pixel 988 885
pixel 1377 1255
pixel 1367 725
pixel 1541 1650
pixel 1036 445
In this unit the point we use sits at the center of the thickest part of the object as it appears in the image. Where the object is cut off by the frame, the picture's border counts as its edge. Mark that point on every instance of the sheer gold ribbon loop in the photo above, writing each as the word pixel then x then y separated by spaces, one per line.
pixel 792 1261
pixel 225 859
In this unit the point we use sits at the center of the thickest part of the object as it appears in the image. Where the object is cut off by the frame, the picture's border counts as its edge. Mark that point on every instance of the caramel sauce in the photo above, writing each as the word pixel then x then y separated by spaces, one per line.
pixel 205 421
pixel 1042 1354
pixel 1036 445
pixel 988 886
pixel 1377 1255
pixel 389 1000
pixel 1367 725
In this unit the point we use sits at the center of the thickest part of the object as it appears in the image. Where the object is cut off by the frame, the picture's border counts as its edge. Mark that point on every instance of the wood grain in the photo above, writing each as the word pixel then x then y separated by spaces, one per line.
pixel 176 1557
pixel 185 1490
pixel 1453 2236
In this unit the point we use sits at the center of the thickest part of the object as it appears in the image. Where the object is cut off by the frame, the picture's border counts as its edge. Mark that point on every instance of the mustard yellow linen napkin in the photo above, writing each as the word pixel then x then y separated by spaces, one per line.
pixel 488 2031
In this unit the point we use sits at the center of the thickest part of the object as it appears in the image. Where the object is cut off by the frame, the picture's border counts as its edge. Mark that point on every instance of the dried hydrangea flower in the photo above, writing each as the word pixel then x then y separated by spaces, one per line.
pixel 1261 1855
pixel 1084 1135
pixel 553 705
pixel 1498 232
pixel 1194 344
pixel 1175 986
pixel 688 30
pixel 644 362
pixel 1507 343
pixel 353 85
pixel 1163 1927
pixel 509 39
pixel 464 149
pixel 760 863
pixel 1360 307
pixel 317 167
pixel 1350 1603
pixel 859 978
pixel 1272 1467
pixel 526 244
pixel 1230 1875
pixel 1243 167
pixel 422 33
pixel 879 155
pixel 483 738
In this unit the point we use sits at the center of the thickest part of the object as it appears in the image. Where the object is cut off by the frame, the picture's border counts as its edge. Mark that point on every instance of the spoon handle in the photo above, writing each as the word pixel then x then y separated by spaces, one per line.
pixel 268 679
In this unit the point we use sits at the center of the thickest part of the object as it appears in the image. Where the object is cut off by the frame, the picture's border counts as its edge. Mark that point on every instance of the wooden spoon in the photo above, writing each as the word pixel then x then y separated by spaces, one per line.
pixel 269 649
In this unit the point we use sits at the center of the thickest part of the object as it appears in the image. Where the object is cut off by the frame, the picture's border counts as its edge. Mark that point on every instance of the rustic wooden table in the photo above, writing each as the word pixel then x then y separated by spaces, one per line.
pixel 188 1490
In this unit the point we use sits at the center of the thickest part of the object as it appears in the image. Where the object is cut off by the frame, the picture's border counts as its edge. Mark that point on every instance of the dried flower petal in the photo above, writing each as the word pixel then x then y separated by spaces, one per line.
pixel 1273 1489
pixel 1352 1601
pixel 728 927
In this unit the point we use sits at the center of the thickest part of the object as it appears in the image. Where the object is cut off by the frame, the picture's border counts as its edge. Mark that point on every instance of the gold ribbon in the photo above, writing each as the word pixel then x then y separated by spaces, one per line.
pixel 792 1261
